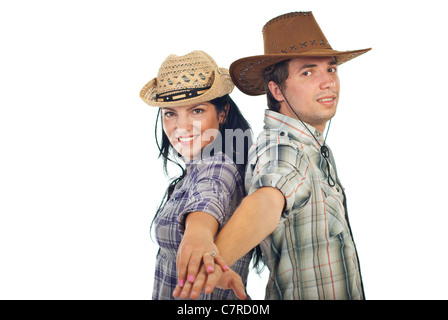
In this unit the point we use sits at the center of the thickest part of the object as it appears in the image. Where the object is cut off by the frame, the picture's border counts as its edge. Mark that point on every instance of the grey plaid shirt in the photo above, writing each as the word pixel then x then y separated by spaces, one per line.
pixel 311 253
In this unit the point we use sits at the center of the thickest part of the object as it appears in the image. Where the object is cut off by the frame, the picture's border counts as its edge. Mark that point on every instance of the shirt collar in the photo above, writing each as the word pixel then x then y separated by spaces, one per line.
pixel 275 120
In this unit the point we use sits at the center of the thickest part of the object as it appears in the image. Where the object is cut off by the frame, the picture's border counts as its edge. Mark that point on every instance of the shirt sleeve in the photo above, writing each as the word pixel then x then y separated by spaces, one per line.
pixel 282 165
pixel 213 191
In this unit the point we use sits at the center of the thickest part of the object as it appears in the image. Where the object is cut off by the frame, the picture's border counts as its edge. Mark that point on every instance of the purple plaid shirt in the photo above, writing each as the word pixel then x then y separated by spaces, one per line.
pixel 212 185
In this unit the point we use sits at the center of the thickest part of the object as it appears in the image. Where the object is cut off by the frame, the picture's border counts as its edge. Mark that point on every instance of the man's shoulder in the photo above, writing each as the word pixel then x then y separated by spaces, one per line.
pixel 276 140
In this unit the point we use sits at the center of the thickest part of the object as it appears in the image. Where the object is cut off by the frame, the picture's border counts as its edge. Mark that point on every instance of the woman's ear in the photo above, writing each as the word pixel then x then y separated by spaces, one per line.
pixel 223 114
pixel 275 91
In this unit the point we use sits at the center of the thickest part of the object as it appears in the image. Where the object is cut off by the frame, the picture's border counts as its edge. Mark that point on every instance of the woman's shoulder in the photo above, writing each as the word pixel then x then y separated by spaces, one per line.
pixel 217 165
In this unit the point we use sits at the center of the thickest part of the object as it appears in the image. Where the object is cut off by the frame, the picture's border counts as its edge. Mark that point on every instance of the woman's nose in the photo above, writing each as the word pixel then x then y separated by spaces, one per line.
pixel 182 122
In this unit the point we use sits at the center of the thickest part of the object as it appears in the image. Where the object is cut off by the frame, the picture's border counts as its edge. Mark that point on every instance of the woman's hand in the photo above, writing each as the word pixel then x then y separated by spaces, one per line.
pixel 197 247
pixel 207 282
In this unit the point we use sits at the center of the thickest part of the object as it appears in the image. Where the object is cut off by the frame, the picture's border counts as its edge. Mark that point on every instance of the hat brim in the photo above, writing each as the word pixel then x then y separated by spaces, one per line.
pixel 221 86
pixel 247 73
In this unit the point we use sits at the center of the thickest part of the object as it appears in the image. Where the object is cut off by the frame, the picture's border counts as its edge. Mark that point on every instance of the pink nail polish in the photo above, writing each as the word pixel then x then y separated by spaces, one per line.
pixel 210 269
pixel 181 283
pixel 191 279
pixel 226 267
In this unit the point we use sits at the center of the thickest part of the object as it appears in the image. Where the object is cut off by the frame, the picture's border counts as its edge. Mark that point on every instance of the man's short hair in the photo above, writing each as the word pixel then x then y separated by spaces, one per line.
pixel 278 73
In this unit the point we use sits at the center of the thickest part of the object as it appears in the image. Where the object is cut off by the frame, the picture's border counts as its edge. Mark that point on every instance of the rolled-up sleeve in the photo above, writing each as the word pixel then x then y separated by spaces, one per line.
pixel 283 166
pixel 212 192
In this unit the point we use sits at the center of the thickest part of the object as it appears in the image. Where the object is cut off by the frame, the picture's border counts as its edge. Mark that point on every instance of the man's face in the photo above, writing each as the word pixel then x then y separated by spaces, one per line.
pixel 312 89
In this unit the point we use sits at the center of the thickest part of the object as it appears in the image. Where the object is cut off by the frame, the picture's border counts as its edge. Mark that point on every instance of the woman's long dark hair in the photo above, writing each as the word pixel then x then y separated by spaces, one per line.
pixel 233 120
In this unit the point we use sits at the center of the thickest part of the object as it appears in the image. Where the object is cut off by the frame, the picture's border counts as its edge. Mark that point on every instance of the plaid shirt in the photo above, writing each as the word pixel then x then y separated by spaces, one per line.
pixel 311 253
pixel 214 186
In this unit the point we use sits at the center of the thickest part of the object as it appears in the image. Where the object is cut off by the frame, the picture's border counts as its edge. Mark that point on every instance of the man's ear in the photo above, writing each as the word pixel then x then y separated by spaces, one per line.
pixel 275 91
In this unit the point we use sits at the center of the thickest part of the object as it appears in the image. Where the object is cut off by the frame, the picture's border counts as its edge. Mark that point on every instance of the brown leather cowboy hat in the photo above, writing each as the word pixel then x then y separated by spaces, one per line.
pixel 289 36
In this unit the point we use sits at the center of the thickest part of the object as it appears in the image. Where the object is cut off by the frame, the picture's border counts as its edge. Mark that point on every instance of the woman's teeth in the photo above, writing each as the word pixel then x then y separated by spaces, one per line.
pixel 186 139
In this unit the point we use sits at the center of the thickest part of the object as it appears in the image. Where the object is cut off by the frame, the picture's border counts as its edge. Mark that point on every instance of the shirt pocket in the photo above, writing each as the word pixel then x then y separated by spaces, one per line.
pixel 334 209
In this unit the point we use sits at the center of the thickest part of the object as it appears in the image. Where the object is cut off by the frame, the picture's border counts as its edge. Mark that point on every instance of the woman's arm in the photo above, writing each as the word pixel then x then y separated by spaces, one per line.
pixel 196 246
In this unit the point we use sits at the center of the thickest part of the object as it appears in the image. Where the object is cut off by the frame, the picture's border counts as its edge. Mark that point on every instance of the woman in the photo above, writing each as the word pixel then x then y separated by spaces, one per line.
pixel 197 113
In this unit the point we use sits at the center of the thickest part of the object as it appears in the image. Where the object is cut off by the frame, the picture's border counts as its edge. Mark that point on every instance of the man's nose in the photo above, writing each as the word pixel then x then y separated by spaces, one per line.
pixel 328 80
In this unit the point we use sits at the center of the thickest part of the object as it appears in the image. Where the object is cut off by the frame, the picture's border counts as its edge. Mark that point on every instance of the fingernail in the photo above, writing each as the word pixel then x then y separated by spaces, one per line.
pixel 181 283
pixel 210 269
pixel 226 267
pixel 191 279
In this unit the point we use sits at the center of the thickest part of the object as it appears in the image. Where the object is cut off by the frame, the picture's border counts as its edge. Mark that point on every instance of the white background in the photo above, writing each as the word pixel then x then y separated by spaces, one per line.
pixel 79 175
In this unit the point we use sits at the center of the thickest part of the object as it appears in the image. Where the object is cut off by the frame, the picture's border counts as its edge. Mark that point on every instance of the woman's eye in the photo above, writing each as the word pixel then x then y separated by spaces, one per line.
pixel 198 111
pixel 307 73
pixel 168 114
pixel 333 70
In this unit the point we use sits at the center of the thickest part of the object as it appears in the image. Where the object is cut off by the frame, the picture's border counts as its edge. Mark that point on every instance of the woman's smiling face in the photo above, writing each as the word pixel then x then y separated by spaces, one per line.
pixel 191 128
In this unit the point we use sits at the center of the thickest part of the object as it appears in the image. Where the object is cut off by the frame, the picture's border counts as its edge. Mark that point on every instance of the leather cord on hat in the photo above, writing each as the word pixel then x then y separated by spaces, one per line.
pixel 325 153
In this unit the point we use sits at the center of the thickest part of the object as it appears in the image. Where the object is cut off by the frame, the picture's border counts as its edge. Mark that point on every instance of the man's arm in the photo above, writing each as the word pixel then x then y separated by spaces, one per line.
pixel 256 217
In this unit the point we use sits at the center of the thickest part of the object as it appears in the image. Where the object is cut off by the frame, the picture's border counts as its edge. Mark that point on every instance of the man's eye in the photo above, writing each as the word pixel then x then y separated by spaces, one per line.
pixel 307 73
pixel 332 70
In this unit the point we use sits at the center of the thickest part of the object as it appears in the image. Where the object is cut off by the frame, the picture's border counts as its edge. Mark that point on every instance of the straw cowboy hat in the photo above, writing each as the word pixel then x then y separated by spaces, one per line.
pixel 286 37
pixel 185 80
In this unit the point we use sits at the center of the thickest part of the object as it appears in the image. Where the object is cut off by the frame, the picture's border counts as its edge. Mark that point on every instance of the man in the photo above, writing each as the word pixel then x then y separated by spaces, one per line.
pixel 296 206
